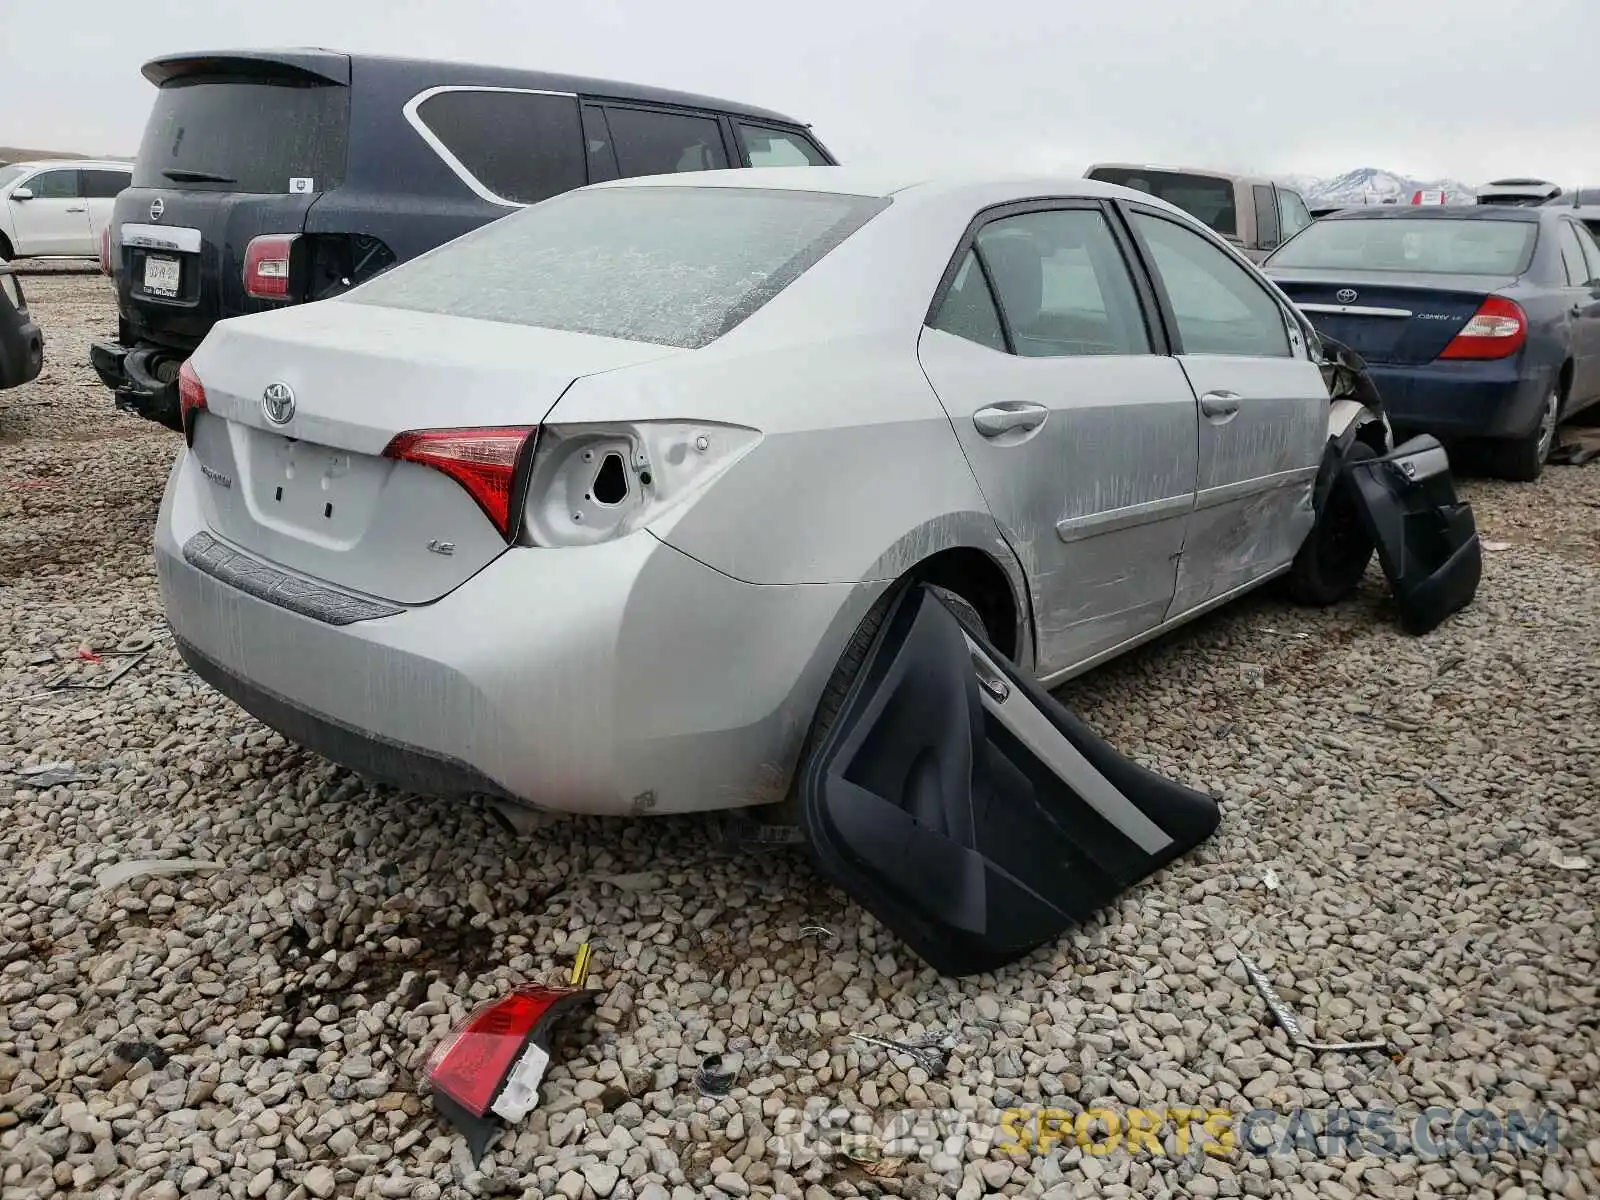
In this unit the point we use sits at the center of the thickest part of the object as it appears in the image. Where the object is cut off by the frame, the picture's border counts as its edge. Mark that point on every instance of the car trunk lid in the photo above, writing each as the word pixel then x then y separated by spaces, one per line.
pixel 236 145
pixel 313 492
pixel 1406 321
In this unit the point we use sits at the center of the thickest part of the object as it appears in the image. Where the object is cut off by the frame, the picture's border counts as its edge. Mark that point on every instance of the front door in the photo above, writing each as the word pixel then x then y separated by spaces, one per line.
pixel 55 219
pixel 1263 411
pixel 1081 434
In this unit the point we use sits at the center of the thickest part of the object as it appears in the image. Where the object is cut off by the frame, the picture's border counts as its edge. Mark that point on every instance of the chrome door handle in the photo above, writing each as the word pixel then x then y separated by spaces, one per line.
pixel 997 419
pixel 1219 404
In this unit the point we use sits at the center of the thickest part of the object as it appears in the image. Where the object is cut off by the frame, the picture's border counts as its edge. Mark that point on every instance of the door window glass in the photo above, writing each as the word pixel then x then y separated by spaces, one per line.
pixel 659 143
pixel 766 147
pixel 1591 253
pixel 1266 217
pixel 54 185
pixel 1062 284
pixel 522 146
pixel 1572 254
pixel 1218 306
pixel 967 310
pixel 597 144
pixel 103 185
pixel 1293 215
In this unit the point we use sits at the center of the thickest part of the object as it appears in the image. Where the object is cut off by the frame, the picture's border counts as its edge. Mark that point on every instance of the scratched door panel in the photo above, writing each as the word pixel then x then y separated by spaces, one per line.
pixel 355 520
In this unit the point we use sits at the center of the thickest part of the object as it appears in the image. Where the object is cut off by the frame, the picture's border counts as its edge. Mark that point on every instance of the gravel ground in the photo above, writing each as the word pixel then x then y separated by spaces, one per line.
pixel 1403 823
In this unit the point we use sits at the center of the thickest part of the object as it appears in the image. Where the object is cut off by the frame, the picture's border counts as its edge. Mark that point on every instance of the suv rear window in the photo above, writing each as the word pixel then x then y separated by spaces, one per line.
pixel 1445 247
pixel 676 266
pixel 1207 198
pixel 238 136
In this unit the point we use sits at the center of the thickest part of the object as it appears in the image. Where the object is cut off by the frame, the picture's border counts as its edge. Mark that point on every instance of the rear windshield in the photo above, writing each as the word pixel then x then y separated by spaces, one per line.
pixel 245 137
pixel 1445 247
pixel 677 266
pixel 1204 197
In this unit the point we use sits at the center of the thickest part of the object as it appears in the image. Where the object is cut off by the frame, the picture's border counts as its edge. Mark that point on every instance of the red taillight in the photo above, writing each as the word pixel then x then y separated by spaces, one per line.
pixel 191 393
pixel 471 1062
pixel 105 251
pixel 484 461
pixel 1497 330
pixel 266 266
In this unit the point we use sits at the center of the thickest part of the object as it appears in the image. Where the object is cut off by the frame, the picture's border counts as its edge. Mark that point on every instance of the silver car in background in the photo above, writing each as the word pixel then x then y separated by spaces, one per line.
pixel 584 509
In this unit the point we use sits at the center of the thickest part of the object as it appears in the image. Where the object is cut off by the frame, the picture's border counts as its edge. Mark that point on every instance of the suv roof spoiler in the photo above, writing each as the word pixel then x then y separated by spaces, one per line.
pixel 309 65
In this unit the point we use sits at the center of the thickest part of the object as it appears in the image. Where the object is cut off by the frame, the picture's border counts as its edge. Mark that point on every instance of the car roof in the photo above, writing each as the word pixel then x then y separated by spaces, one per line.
pixel 1439 212
pixel 882 182
pixel 340 65
pixel 110 164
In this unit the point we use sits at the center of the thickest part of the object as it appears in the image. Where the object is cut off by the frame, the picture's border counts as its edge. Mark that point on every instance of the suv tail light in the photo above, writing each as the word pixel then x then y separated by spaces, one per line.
pixel 191 397
pixel 105 251
pixel 1497 330
pixel 266 266
pixel 485 461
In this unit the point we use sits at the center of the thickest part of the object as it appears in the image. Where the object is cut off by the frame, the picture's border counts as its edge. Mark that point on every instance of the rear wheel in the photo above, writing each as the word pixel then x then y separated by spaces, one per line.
pixel 6 253
pixel 1523 460
pixel 1330 565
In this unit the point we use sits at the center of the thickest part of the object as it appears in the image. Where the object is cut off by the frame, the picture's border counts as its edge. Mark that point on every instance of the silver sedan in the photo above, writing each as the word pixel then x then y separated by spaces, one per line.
pixel 587 509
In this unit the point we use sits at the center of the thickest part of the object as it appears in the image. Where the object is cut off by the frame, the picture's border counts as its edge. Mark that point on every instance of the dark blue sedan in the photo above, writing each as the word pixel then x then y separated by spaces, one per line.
pixel 1478 323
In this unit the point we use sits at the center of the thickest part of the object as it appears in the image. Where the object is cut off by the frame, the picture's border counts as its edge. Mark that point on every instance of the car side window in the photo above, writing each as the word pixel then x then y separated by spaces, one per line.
pixel 1267 235
pixel 650 142
pixel 768 147
pixel 103 185
pixel 1293 215
pixel 521 146
pixel 597 144
pixel 1572 254
pixel 54 185
pixel 1591 252
pixel 967 310
pixel 1219 308
pixel 1062 284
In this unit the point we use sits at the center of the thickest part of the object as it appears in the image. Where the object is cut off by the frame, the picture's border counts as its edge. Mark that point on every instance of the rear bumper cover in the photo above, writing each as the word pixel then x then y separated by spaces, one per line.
pixel 21 347
pixel 622 678
pixel 128 373
pixel 1492 399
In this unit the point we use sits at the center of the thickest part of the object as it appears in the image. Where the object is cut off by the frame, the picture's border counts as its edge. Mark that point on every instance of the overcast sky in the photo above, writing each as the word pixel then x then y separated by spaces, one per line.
pixel 1471 89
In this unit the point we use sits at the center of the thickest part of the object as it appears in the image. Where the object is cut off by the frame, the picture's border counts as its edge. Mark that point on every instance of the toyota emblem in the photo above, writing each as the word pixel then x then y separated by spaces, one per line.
pixel 156 209
pixel 1345 295
pixel 277 403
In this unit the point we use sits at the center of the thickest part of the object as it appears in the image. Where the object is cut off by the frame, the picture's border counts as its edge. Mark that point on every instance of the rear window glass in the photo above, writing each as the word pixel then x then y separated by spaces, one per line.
pixel 245 137
pixel 677 266
pixel 1204 197
pixel 1446 247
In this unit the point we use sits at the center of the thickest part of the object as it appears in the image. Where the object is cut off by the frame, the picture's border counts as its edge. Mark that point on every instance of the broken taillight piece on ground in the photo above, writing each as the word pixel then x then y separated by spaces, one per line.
pixel 489 1068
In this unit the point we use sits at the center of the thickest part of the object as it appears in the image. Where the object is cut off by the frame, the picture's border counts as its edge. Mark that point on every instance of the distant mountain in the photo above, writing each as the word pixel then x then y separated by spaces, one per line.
pixel 1369 185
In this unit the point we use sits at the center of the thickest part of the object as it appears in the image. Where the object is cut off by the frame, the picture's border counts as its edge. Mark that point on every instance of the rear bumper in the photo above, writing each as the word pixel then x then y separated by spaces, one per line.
pixel 1462 399
pixel 621 678
pixel 21 348
pixel 130 374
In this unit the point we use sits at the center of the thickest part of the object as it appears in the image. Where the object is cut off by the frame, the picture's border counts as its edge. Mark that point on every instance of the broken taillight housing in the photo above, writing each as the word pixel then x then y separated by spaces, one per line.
pixel 485 461
pixel 266 266
pixel 1497 330
pixel 191 398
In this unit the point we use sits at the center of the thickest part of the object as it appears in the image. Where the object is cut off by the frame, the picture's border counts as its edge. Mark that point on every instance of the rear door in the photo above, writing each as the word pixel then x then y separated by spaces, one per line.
pixel 55 218
pixel 649 140
pixel 233 148
pixel 1079 429
pixel 1583 308
pixel 101 186
pixel 1263 411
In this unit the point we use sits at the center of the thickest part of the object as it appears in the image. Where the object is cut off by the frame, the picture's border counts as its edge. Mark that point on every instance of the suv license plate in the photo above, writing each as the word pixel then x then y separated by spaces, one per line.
pixel 161 275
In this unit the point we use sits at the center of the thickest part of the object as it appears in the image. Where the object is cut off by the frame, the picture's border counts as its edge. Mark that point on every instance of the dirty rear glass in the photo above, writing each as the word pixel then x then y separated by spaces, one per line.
pixel 239 136
pixel 1204 197
pixel 1445 247
pixel 675 266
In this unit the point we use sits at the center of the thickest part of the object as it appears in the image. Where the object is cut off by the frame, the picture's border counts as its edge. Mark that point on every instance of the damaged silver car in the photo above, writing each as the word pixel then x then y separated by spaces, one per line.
pixel 599 507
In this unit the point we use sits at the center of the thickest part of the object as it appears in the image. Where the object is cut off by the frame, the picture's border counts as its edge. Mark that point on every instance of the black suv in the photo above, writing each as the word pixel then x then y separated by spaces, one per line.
pixel 273 177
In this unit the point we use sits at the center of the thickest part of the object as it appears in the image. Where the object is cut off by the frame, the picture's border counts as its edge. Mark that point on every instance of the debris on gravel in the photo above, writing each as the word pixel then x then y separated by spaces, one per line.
pixel 257 1026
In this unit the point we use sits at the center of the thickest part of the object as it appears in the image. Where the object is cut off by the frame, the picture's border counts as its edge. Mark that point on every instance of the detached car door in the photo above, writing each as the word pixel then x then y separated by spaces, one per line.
pixel 1263 404
pixel 1043 347
pixel 55 219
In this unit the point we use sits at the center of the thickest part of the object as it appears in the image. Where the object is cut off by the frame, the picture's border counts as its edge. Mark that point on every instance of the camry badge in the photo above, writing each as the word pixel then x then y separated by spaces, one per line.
pixel 157 208
pixel 1345 295
pixel 277 402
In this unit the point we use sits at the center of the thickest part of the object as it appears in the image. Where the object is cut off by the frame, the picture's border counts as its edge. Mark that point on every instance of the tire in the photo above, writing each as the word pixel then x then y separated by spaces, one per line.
pixel 6 253
pixel 1522 460
pixel 1330 564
